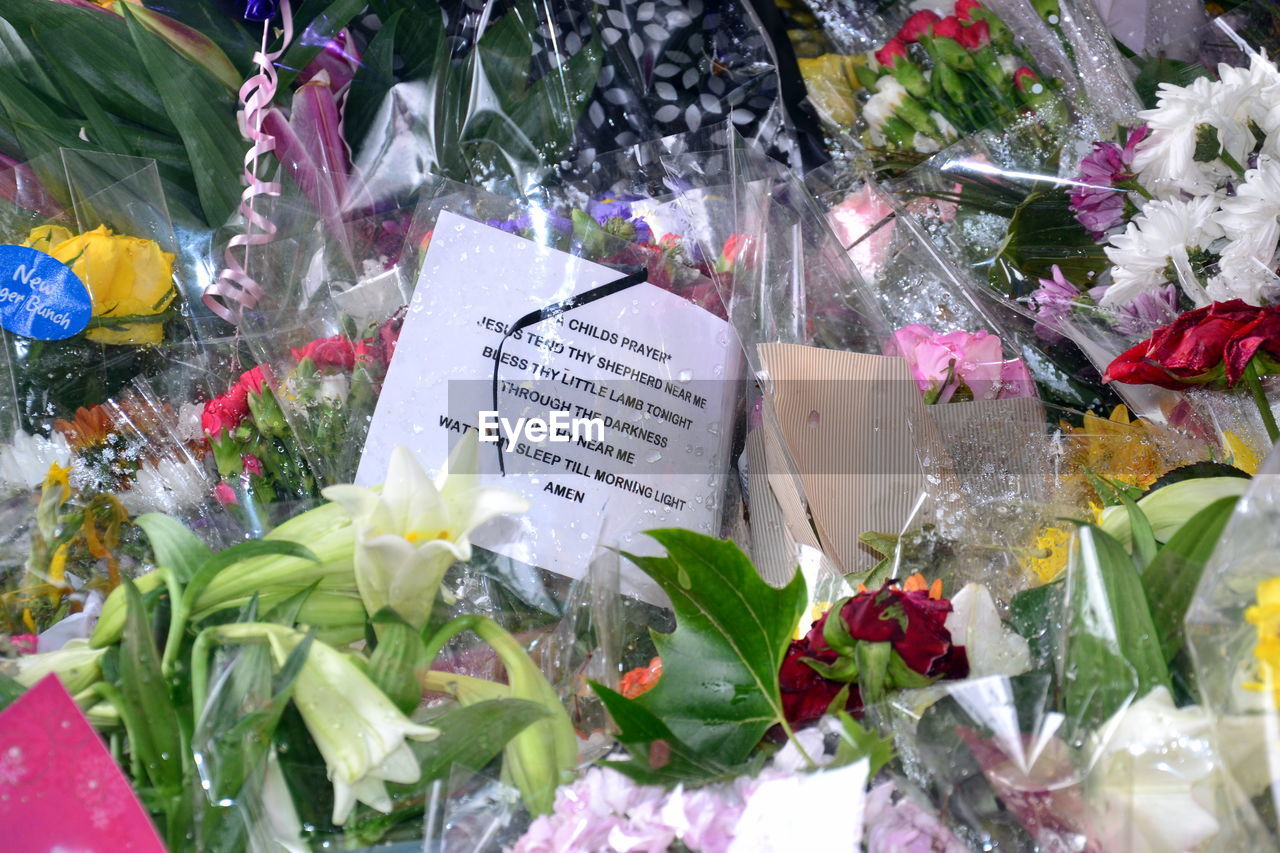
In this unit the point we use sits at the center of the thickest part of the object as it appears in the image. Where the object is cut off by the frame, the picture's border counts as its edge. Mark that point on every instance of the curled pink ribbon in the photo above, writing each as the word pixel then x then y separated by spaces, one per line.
pixel 236 290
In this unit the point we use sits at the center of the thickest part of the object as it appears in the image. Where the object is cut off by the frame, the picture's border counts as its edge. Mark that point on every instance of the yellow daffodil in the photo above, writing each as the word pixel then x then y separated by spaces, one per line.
pixel 126 276
pixel 410 533
pixel 358 730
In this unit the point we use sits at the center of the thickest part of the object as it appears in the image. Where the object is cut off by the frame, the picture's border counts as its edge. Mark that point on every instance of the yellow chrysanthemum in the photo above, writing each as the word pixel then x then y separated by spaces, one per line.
pixel 1265 617
pixel 1049 558
pixel 1242 454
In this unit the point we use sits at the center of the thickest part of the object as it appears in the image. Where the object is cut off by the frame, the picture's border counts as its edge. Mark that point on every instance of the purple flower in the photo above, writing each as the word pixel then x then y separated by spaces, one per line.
pixel 612 207
pixel 1052 301
pixel 904 827
pixel 1148 310
pixel 1099 203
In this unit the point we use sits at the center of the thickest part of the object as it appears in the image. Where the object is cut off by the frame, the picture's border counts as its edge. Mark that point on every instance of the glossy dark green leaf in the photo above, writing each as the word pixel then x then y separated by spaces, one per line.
pixel 158 742
pixel 1036 615
pixel 657 755
pixel 375 77
pixel 1171 579
pixel 204 114
pixel 174 545
pixel 719 687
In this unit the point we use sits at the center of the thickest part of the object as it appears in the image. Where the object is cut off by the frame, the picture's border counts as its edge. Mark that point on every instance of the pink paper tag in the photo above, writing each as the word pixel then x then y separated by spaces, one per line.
pixel 60 792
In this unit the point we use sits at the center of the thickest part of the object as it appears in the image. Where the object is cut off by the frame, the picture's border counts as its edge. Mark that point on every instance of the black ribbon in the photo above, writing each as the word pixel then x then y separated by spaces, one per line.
pixel 640 276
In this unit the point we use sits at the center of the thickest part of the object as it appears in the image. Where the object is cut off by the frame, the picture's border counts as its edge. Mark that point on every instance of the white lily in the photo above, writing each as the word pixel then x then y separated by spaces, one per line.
pixel 357 729
pixel 992 647
pixel 412 530
pixel 1160 784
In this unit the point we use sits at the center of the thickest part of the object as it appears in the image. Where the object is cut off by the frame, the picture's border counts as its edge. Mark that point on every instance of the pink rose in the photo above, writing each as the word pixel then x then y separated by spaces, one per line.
pixel 943 364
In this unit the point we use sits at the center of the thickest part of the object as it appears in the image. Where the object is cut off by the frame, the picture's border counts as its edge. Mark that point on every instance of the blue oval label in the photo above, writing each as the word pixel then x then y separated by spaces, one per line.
pixel 40 297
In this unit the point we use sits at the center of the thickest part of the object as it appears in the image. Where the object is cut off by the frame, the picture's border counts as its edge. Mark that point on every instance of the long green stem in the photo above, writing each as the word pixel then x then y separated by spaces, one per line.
pixel 1254 382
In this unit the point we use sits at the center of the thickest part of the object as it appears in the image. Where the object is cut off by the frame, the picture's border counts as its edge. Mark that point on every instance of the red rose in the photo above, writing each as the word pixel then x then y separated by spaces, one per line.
pixel 912 622
pixel 1260 337
pixel 919 24
pixel 336 353
pixel 1191 350
pixel 948 28
pixel 894 50
pixel 965 8
pixel 805 694
pixel 1024 78
pixel 975 36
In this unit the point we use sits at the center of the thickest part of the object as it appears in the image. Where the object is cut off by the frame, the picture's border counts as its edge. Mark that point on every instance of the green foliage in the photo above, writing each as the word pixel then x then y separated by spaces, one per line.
pixel 1113 651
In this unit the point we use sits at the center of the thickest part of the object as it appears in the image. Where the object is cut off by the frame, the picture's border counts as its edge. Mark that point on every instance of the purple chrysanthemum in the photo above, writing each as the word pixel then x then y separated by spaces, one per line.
pixel 1052 301
pixel 1098 202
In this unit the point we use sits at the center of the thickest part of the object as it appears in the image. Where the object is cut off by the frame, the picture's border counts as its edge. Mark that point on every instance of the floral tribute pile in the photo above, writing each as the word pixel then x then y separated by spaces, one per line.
pixel 996 572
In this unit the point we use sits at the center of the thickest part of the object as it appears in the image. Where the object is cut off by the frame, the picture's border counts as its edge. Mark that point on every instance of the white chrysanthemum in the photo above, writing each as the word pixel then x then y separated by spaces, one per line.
pixel 882 105
pixel 167 486
pixel 1251 221
pixel 1165 161
pixel 1262 79
pixel 26 459
pixel 1164 230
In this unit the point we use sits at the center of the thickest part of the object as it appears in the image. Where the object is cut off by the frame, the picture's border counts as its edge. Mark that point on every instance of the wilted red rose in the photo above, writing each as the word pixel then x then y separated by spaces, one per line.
pixel 1191 350
pixel 805 694
pixel 893 50
pixel 919 24
pixel 965 9
pixel 913 623
pixel 1261 340
pixel 336 353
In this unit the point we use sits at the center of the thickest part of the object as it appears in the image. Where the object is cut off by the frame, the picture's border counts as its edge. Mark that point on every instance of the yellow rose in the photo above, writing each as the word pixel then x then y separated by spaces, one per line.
pixel 126 276
pixel 46 236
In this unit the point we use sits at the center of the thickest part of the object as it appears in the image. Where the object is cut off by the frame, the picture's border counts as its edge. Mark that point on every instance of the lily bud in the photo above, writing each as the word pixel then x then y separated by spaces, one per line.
pixel 76 664
pixel 358 730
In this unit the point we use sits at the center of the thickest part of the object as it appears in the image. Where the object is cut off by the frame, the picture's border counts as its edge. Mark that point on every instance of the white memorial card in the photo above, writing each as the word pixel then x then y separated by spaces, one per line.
pixel 613 417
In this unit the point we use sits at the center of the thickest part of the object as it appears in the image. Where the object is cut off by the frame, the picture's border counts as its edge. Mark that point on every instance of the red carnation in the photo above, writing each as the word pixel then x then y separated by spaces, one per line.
pixel 226 412
pixel 1024 78
pixel 335 353
pixel 965 8
pixel 949 28
pixel 975 36
pixel 1193 349
pixel 894 50
pixel 919 24
pixel 254 379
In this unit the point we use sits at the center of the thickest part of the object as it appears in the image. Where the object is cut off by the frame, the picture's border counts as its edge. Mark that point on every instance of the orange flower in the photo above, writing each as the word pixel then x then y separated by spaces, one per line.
pixel 89 428
pixel 916 583
pixel 641 679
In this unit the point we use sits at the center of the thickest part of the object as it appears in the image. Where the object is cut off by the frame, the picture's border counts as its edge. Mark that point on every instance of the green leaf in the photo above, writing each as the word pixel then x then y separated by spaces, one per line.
pixel 158 741
pixel 1113 652
pixel 9 691
pixel 883 544
pixel 203 113
pixel 373 80
pixel 719 687
pixel 857 743
pixel 657 756
pixel 1035 614
pixel 1044 233
pixel 395 663
pixel 286 612
pixel 470 737
pixel 1171 579
pixel 174 545
pixel 1143 539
